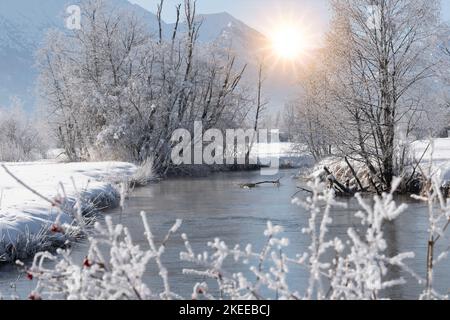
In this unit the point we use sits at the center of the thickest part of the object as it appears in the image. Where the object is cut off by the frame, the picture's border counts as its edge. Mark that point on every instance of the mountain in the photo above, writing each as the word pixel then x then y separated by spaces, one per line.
pixel 22 26
pixel 225 31
pixel 232 33
pixel 24 23
pixel 223 26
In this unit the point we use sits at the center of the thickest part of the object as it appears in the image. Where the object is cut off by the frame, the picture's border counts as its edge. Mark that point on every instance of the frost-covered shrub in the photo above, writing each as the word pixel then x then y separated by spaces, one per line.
pixel 116 274
pixel 144 174
pixel 352 268
pixel 20 138
pixel 362 272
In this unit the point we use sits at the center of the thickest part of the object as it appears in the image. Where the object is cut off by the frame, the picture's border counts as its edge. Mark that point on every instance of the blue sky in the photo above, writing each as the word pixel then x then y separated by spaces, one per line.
pixel 259 13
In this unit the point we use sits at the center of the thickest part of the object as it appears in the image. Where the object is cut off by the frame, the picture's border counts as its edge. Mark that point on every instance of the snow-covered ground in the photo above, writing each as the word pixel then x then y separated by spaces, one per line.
pixel 23 215
pixel 277 149
pixel 289 154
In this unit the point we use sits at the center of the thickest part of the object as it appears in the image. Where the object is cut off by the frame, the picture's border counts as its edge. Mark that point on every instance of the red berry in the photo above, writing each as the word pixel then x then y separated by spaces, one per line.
pixel 56 229
pixel 56 202
pixel 34 296
pixel 87 263
pixel 29 276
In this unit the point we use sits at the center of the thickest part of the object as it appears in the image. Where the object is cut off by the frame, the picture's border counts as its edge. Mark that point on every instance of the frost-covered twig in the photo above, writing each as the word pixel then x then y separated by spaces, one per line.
pixel 113 269
pixel 439 222
pixel 158 252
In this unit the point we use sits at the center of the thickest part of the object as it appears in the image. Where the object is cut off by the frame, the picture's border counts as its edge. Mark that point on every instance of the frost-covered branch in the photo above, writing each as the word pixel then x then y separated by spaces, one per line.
pixel 113 268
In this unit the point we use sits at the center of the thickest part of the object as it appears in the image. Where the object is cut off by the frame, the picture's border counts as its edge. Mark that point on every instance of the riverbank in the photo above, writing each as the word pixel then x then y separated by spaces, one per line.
pixel 26 219
pixel 429 158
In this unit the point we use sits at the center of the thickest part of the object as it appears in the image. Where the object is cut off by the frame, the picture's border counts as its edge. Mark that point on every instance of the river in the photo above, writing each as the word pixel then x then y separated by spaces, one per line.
pixel 216 207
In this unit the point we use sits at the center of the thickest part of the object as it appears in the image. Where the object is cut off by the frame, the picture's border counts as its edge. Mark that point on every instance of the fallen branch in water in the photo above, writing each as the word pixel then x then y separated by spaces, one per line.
pixel 254 185
pixel 301 189
pixel 334 183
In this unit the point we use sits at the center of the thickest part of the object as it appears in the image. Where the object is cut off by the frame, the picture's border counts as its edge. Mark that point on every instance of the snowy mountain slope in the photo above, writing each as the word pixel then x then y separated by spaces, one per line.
pixel 24 23
pixel 228 32
pixel 22 26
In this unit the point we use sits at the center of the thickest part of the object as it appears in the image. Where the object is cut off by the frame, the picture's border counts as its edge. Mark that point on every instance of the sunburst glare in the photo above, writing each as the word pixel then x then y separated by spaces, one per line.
pixel 287 42
pixel 291 40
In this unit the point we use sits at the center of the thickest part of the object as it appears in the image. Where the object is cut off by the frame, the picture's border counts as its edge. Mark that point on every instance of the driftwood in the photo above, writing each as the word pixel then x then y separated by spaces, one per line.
pixel 303 189
pixel 339 187
pixel 300 190
pixel 254 185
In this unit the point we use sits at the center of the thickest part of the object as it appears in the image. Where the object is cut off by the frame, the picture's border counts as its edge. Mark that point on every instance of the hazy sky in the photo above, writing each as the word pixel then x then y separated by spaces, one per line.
pixel 266 15
pixel 261 14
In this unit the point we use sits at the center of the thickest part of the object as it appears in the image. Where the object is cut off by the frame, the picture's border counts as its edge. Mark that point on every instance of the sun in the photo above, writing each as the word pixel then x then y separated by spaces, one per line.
pixel 291 40
pixel 287 42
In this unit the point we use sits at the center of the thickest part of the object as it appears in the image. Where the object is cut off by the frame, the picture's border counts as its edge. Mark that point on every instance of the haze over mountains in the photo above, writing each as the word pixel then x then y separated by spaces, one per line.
pixel 24 23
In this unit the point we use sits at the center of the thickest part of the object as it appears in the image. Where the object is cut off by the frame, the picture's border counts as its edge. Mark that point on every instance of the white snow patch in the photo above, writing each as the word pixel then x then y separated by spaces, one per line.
pixel 280 149
pixel 24 214
pixel 288 153
pixel 438 155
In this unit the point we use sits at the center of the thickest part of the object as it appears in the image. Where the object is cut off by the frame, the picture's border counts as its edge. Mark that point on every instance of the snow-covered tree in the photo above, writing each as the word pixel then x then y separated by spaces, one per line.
pixel 114 90
pixel 377 80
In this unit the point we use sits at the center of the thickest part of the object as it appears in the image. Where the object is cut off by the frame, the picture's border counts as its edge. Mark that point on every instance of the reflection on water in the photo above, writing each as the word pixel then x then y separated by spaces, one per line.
pixel 215 207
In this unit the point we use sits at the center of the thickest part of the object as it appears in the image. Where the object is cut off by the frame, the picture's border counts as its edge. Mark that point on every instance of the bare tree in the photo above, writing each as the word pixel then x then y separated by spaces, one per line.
pixel 379 56
pixel 260 106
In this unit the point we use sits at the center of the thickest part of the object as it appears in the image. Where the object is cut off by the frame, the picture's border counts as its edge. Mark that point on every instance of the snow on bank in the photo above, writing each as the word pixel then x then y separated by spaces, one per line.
pixel 289 154
pixel 437 154
pixel 25 218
